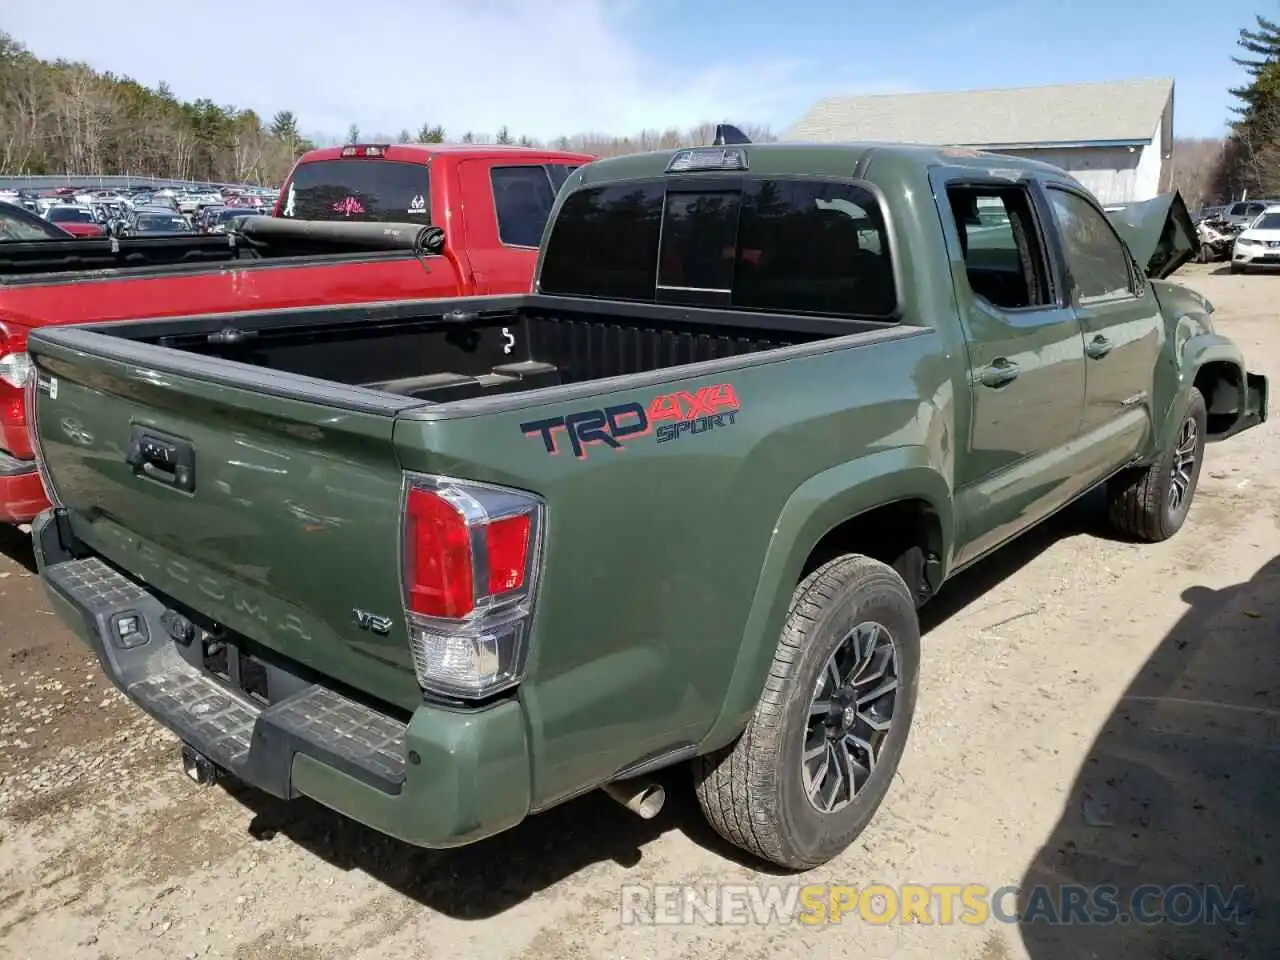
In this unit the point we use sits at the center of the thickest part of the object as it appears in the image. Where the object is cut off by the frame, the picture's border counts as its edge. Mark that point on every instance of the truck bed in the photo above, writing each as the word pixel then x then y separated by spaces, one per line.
pixel 300 425
pixel 448 350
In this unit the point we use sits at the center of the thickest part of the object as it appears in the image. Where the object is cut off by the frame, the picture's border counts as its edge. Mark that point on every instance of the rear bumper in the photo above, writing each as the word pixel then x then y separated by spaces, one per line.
pixel 444 779
pixel 22 494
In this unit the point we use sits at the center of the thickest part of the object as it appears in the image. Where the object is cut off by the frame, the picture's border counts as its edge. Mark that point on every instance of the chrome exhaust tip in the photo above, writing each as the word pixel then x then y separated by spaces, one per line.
pixel 645 799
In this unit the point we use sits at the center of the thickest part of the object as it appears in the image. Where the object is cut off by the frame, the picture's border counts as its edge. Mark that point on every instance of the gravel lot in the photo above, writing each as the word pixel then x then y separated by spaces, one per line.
pixel 1091 711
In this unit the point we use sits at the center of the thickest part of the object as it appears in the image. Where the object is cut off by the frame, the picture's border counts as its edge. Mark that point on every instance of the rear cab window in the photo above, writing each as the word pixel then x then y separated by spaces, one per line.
pixel 360 189
pixel 778 245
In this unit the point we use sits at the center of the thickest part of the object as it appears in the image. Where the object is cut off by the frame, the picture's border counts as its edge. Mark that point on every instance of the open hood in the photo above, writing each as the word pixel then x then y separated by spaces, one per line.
pixel 1159 232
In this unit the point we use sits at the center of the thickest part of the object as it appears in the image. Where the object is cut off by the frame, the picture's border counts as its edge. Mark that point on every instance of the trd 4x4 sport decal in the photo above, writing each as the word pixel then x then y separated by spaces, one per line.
pixel 669 416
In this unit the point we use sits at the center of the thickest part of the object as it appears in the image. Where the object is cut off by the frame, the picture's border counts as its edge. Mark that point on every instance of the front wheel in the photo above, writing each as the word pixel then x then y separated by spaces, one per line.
pixel 818 755
pixel 1151 503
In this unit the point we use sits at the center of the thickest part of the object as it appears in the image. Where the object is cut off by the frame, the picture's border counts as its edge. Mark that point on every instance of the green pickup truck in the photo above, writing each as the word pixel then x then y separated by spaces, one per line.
pixel 440 565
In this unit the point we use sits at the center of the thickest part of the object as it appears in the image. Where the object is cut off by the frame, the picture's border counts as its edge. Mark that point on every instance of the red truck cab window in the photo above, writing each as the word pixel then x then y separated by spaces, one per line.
pixel 360 189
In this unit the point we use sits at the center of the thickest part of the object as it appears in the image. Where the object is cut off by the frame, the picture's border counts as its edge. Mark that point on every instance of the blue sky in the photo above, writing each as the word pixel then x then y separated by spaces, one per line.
pixel 546 67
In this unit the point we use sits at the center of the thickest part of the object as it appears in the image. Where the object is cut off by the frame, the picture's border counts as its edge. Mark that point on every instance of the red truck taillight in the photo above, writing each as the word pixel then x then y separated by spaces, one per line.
pixel 15 368
pixel 471 560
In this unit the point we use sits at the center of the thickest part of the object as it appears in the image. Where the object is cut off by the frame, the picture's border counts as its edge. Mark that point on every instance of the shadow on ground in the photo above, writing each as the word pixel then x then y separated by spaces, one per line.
pixel 1182 787
pixel 15 544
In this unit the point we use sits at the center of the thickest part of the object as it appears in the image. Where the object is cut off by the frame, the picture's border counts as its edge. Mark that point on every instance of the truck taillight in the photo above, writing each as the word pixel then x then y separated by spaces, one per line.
pixel 15 368
pixel 471 561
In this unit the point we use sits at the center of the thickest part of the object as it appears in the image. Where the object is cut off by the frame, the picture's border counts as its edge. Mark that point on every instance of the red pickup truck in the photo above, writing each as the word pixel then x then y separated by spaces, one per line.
pixel 370 222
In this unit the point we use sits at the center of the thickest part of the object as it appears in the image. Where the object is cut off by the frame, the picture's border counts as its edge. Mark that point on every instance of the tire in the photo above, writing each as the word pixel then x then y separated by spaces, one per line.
pixel 1142 501
pixel 754 791
pixel 1204 254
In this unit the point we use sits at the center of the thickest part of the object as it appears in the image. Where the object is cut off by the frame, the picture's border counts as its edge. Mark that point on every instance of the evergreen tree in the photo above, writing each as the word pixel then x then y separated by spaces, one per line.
pixel 504 135
pixel 429 134
pixel 1253 151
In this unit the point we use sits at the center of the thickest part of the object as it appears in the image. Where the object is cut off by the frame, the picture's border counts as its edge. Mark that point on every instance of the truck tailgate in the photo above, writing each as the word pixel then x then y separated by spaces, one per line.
pixel 276 516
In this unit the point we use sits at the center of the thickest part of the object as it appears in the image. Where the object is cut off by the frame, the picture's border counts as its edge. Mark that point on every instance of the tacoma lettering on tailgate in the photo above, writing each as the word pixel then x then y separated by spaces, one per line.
pixel 669 415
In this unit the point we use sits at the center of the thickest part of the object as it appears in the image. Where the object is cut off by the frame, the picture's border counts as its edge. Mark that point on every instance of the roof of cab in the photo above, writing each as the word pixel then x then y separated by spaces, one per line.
pixel 423 152
pixel 831 159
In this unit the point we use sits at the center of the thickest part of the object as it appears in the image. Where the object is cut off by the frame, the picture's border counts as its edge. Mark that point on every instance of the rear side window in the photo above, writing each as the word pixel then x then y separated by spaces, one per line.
pixel 605 243
pixel 522 198
pixel 360 190
pixel 792 246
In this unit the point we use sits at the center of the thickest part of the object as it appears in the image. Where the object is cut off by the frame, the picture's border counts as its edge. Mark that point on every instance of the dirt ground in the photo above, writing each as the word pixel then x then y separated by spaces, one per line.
pixel 1091 712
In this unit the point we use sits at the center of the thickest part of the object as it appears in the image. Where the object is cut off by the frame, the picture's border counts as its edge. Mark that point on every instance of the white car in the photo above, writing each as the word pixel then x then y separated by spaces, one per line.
pixel 1258 244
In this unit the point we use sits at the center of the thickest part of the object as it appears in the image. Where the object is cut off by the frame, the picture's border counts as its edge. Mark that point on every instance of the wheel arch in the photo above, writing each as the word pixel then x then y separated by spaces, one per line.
pixel 1214 365
pixel 845 509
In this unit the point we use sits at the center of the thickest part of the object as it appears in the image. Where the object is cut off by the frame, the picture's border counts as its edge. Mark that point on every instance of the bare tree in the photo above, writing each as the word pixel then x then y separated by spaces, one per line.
pixel 1195 169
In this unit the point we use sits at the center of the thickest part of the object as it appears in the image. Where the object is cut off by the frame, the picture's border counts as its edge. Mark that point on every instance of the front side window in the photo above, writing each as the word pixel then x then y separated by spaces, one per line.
pixel 1097 259
pixel 791 246
pixel 359 189
pixel 522 198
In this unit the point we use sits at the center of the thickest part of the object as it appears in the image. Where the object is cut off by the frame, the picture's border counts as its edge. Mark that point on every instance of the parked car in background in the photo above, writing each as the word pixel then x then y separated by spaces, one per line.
pixel 227 218
pixel 1243 212
pixel 76 219
pixel 1258 245
pixel 19 223
pixel 207 216
pixel 155 222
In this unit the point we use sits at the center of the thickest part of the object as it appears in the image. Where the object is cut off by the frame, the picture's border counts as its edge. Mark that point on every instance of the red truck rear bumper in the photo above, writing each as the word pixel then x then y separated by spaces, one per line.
pixel 22 494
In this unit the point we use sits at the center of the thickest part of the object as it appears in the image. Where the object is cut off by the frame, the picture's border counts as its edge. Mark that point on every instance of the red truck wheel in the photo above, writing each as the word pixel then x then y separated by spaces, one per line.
pixel 816 760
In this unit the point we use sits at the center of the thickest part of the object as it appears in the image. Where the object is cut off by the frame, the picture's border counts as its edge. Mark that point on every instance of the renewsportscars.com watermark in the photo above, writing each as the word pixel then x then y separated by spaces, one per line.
pixel 940 904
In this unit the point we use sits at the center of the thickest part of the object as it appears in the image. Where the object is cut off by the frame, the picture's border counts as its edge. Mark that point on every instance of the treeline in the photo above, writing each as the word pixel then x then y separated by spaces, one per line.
pixel 62 117
pixel 597 144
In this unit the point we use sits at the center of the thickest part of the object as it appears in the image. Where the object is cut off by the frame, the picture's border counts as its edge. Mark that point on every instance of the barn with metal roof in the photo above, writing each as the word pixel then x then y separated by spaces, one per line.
pixel 1114 137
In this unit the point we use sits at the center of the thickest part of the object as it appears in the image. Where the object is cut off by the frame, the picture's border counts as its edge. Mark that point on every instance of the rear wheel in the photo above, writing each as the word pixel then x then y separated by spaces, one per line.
pixel 818 755
pixel 1152 503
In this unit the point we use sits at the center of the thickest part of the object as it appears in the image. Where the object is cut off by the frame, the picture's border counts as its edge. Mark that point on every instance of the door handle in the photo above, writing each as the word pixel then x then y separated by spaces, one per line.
pixel 1000 372
pixel 1098 347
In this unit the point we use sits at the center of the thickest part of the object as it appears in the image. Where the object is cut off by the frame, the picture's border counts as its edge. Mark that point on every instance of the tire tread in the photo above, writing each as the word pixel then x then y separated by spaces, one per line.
pixel 734 784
